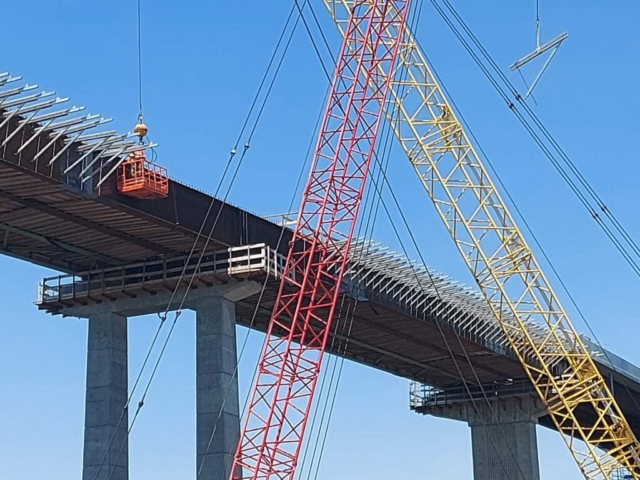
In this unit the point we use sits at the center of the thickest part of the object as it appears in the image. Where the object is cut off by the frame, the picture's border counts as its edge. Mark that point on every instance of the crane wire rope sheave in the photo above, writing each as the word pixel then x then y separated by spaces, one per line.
pixel 558 364
pixel 302 316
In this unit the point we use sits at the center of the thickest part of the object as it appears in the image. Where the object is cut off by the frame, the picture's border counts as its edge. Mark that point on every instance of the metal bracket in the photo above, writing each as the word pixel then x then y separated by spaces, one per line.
pixel 552 45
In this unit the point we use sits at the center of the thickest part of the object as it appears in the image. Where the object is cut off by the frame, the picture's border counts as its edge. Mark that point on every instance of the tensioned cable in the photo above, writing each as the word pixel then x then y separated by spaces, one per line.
pixel 290 207
pixel 258 304
pixel 634 265
pixel 337 370
pixel 333 369
pixel 453 357
pixel 543 147
pixel 527 226
pixel 593 210
pixel 437 319
pixel 538 23
pixel 209 237
pixel 208 213
pixel 345 334
pixel 441 332
pixel 572 186
pixel 337 359
pixel 139 57
pixel 313 432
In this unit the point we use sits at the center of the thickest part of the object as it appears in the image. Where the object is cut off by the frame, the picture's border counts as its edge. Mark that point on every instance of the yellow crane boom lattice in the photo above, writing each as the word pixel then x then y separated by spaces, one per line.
pixel 558 363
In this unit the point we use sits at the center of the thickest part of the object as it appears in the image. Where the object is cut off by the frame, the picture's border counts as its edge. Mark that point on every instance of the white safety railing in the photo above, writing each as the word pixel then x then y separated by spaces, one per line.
pixel 231 262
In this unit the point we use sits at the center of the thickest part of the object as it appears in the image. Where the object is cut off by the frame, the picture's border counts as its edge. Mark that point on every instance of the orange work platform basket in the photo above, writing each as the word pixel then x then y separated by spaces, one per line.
pixel 139 178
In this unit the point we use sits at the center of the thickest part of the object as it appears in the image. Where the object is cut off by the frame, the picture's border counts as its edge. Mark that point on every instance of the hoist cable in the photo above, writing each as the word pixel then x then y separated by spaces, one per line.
pixel 527 226
pixel 303 169
pixel 537 23
pixel 163 317
pixel 265 76
pixel 331 404
pixel 472 367
pixel 369 227
pixel 140 57
pixel 371 203
pixel 545 149
pixel 608 232
pixel 336 361
pixel 593 211
pixel 438 323
pixel 313 42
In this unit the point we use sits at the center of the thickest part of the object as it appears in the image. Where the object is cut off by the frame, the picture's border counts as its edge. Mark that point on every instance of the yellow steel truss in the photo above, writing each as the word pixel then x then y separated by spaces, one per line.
pixel 503 265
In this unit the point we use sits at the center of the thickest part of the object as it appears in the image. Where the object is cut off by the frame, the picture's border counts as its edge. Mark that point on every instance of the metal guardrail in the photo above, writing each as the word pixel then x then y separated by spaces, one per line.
pixel 422 396
pixel 230 262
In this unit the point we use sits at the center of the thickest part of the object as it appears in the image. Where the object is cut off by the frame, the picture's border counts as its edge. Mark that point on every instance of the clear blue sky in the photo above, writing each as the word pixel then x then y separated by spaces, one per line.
pixel 202 64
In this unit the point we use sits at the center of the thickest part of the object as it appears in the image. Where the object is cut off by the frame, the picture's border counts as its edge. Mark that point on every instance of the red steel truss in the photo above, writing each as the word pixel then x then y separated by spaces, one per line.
pixel 302 316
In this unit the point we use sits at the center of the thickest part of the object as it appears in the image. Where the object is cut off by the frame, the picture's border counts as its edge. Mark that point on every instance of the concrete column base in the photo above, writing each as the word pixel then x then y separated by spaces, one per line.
pixel 503 436
pixel 106 397
pixel 217 409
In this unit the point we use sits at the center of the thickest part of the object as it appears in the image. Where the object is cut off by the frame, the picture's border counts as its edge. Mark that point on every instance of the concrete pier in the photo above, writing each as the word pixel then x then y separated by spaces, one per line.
pixel 105 419
pixel 504 441
pixel 216 361
pixel 503 435
pixel 217 409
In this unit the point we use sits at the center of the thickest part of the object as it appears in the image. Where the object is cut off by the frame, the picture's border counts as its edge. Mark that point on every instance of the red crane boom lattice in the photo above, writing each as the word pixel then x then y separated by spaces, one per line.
pixel 302 316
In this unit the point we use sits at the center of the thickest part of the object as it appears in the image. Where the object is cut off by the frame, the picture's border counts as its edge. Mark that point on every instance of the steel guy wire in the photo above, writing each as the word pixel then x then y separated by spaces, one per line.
pixel 347 322
pixel 259 302
pixel 139 57
pixel 208 213
pixel 530 230
pixel 441 332
pixel 609 234
pixel 378 199
pixel 555 145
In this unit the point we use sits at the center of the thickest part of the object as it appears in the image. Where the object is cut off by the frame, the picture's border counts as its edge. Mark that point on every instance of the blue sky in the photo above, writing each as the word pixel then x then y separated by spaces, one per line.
pixel 202 65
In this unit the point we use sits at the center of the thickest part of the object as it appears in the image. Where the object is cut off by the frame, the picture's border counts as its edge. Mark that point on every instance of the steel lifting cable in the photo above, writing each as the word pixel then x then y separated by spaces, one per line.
pixel 140 57
pixel 527 226
pixel 209 237
pixel 583 200
pixel 346 320
pixel 341 333
pixel 347 326
pixel 378 190
pixel 232 154
pixel 259 301
pixel 525 223
pixel 369 227
pixel 440 328
pixel 600 205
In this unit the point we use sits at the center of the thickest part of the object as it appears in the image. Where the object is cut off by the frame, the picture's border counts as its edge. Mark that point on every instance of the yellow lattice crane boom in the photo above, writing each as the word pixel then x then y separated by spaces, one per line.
pixel 499 258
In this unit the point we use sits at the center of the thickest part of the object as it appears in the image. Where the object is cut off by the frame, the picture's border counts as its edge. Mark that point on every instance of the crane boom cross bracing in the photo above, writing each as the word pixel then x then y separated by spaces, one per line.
pixel 303 312
pixel 558 364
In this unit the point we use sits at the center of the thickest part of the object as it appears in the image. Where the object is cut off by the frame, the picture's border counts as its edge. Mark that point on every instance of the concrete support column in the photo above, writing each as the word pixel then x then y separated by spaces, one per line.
pixel 503 436
pixel 105 398
pixel 217 388
pixel 505 446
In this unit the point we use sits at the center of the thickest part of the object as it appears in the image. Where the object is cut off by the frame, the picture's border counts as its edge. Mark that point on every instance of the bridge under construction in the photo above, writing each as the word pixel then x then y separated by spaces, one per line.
pixel 125 239
pixel 120 257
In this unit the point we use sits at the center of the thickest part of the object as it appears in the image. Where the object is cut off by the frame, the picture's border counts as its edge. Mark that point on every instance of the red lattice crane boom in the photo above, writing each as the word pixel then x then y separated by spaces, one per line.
pixel 290 362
